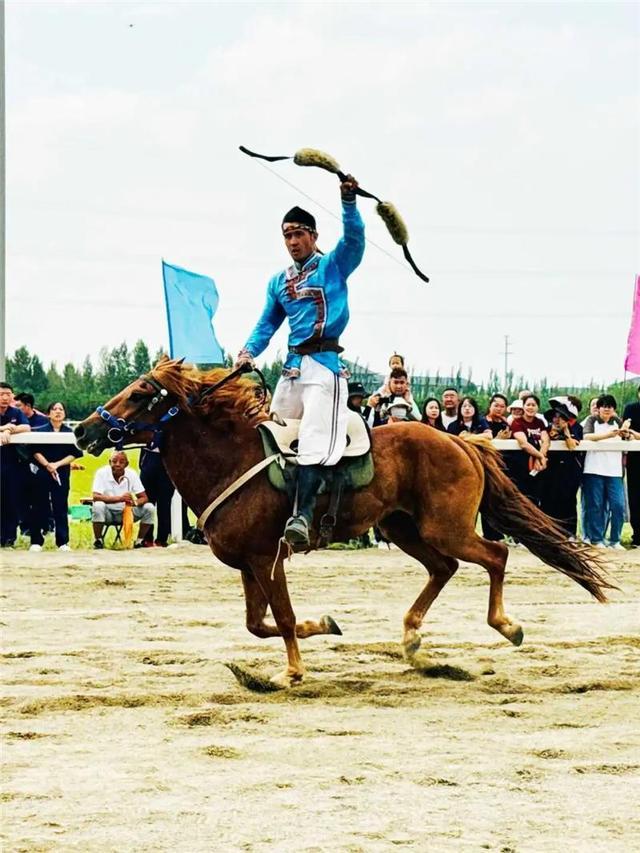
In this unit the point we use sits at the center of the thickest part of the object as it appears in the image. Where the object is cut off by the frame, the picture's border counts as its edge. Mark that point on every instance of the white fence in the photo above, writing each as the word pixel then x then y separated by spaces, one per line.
pixel 176 503
pixel 498 443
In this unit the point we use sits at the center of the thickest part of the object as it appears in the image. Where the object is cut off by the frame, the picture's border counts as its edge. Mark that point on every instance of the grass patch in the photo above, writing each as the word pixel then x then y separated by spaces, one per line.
pixel 89 701
pixel 453 673
pixel 25 735
pixel 214 751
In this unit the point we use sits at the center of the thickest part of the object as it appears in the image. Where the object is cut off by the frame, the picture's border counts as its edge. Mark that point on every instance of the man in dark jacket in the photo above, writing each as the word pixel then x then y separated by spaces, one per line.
pixel 12 421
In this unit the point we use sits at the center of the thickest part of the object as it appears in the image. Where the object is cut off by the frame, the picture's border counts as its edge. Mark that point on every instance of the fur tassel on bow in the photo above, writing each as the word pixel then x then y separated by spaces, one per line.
pixel 387 212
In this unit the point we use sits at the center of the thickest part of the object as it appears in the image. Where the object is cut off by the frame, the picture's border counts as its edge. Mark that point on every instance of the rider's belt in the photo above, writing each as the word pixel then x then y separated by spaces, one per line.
pixel 321 345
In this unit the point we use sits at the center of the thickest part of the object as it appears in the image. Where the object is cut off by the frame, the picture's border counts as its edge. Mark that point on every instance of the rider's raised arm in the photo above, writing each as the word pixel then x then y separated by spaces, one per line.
pixel 350 249
pixel 270 321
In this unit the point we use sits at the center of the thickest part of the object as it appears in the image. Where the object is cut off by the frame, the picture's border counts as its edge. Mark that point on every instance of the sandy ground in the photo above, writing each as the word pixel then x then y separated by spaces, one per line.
pixel 124 730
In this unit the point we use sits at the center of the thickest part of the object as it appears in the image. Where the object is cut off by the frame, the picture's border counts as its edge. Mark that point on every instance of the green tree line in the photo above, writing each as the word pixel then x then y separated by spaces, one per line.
pixel 84 387
pixel 80 388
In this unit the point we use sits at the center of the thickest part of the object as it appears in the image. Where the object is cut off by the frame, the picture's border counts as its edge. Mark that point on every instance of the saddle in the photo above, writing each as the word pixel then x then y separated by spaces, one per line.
pixel 285 435
pixel 354 471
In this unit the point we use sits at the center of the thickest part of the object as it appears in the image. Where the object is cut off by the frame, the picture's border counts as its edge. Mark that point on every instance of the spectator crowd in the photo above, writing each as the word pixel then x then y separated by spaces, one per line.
pixel 35 482
pixel 553 481
pixel 580 490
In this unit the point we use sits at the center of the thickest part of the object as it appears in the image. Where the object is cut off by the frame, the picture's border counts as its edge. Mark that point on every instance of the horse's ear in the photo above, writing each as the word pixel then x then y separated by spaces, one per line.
pixel 163 359
pixel 180 361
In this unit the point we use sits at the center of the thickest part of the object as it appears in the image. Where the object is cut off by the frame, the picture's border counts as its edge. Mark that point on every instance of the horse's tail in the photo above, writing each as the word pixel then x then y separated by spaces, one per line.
pixel 509 511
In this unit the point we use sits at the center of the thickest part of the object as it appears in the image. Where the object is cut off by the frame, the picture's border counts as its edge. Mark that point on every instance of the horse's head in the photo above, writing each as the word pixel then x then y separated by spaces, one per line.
pixel 135 415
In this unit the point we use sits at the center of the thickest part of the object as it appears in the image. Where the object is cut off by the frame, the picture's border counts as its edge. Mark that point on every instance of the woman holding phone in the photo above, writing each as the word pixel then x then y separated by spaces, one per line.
pixel 51 481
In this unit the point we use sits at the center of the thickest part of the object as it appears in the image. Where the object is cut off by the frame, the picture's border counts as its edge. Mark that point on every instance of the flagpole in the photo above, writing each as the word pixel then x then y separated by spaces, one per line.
pixel 3 301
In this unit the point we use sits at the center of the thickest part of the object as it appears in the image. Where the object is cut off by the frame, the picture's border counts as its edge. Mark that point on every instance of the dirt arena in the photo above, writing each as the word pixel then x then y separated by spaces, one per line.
pixel 124 730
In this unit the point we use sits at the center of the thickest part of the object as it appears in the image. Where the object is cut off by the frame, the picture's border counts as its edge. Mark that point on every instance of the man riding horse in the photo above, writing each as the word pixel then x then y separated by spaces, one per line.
pixel 312 293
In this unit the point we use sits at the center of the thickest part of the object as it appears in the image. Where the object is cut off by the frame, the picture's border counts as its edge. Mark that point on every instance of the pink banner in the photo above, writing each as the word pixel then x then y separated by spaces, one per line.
pixel 632 361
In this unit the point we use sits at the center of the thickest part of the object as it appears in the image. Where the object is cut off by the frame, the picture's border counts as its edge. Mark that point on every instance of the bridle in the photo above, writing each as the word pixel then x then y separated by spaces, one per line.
pixel 123 428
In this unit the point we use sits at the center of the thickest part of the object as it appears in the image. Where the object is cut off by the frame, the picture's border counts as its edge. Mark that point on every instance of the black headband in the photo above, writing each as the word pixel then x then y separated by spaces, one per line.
pixel 300 217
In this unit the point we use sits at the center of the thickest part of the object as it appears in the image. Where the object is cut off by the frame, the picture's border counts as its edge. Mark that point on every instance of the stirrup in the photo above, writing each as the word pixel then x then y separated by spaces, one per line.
pixel 296 533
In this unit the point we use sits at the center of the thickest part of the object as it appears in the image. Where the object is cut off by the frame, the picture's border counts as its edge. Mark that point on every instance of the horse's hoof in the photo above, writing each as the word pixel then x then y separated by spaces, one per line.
pixel 513 633
pixel 411 642
pixel 284 680
pixel 330 625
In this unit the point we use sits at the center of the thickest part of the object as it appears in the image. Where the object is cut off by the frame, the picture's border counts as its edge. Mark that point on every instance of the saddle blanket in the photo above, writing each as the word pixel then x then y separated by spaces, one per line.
pixel 285 436
pixel 355 469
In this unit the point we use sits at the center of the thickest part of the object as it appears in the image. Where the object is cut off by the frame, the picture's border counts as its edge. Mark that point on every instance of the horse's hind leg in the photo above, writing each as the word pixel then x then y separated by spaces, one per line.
pixel 256 605
pixel 493 557
pixel 402 530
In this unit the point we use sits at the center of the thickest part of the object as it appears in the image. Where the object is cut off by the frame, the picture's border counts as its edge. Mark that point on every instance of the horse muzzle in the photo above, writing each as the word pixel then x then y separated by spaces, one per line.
pixel 93 435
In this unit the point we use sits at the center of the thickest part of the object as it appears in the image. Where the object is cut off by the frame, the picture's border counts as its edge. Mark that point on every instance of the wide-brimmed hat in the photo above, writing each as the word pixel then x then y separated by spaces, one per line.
pixel 398 401
pixel 517 404
pixel 564 403
pixel 357 389
pixel 559 409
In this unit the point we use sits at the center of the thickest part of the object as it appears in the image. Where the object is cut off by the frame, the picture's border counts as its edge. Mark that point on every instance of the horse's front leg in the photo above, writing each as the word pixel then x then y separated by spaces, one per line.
pixel 257 604
pixel 271 580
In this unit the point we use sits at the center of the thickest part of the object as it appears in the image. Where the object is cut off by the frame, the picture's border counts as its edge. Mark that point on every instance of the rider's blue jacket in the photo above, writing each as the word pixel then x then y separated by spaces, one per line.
pixel 313 296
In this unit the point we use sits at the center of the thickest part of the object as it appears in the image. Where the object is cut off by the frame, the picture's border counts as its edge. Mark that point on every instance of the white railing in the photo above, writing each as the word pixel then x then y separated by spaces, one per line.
pixel 176 502
pixel 498 443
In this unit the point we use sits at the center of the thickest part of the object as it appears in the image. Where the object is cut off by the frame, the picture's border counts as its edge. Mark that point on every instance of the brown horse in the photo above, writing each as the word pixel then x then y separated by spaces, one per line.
pixel 425 497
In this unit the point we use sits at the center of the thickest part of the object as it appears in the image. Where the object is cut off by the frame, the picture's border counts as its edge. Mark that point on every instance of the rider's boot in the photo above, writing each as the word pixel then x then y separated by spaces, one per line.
pixel 296 531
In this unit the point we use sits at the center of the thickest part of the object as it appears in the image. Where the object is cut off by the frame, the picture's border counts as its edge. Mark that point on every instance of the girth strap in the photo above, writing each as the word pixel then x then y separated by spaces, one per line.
pixel 237 484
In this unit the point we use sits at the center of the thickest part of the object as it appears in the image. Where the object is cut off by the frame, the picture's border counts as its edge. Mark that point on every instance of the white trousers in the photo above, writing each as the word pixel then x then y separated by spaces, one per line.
pixel 318 398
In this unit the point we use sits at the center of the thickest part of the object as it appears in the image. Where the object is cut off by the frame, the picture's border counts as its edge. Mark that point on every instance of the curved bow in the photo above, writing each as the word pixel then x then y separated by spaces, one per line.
pixel 386 210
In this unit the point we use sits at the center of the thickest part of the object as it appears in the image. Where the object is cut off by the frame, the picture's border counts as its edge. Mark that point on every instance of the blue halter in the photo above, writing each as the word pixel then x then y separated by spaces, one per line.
pixel 119 428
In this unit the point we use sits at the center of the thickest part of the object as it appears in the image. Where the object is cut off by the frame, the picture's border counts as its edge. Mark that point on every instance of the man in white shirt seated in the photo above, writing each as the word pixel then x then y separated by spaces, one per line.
pixel 114 487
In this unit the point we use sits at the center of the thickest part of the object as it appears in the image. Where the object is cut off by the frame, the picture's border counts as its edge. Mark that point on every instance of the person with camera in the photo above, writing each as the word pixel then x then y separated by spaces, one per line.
pixel 398 388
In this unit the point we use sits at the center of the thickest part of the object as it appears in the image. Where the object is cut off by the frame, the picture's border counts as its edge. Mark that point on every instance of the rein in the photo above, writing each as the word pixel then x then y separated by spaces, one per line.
pixel 121 428
pixel 244 368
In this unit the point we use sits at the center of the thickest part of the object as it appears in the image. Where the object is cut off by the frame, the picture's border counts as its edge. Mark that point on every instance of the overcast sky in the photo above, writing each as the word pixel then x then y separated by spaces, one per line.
pixel 506 134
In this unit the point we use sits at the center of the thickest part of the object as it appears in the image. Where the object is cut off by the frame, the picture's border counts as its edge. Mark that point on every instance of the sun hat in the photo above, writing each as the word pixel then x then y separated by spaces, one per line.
pixel 399 401
pixel 357 389
pixel 559 409
pixel 559 403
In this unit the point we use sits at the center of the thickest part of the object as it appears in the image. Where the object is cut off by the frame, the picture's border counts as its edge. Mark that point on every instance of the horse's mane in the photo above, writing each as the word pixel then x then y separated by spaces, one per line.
pixel 237 401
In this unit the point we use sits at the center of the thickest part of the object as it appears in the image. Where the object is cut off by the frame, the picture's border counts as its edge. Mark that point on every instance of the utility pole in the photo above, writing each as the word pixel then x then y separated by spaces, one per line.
pixel 506 353
pixel 3 301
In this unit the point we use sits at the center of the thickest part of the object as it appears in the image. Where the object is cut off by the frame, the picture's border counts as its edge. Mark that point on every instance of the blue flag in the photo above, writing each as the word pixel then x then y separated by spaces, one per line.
pixel 191 301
